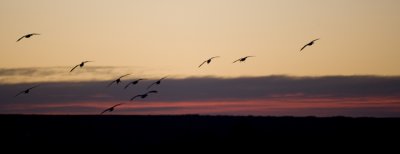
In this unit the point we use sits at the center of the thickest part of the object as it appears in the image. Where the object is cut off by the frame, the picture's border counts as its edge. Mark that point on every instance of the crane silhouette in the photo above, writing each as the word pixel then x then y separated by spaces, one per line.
pixel 208 61
pixel 117 80
pixel 156 83
pixel 111 108
pixel 144 95
pixel 26 91
pixel 27 36
pixel 80 65
pixel 309 44
pixel 242 59
pixel 133 83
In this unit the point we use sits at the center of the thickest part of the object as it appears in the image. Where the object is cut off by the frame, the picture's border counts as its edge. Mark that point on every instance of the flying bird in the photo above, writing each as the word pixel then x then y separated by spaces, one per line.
pixel 144 95
pixel 208 61
pixel 111 108
pixel 133 83
pixel 26 91
pixel 242 59
pixel 309 44
pixel 157 82
pixel 27 36
pixel 80 65
pixel 117 80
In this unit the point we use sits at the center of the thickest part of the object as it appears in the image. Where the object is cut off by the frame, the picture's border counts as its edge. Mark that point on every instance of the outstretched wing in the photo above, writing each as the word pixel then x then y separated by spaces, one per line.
pixel 33 87
pixel 21 38
pixel 127 85
pixel 151 85
pixel 153 91
pixel 105 110
pixel 214 57
pixel 135 97
pixel 202 63
pixel 124 76
pixel 19 93
pixel 73 68
pixel 86 61
pixel 118 105
pixel 139 80
pixel 303 47
pixel 309 44
pixel 236 60
pixel 111 108
pixel 163 78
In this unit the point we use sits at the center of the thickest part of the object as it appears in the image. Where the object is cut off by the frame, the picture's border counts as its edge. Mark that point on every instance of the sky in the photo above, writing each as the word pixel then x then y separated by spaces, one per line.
pixel 359 41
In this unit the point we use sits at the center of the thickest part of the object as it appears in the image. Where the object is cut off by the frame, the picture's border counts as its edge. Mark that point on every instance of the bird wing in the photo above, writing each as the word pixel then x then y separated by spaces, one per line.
pixel 163 78
pixel 124 76
pixel 33 87
pixel 86 61
pixel 111 83
pixel 73 68
pixel 105 110
pixel 118 105
pixel 303 47
pixel 35 34
pixel 153 91
pixel 151 85
pixel 19 93
pixel 21 38
pixel 202 63
pixel 236 60
pixel 109 109
pixel 315 40
pixel 309 44
pixel 127 85
pixel 135 97
pixel 208 60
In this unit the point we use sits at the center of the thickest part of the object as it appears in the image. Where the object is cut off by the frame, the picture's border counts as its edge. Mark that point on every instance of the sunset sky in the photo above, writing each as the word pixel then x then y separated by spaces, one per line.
pixel 358 53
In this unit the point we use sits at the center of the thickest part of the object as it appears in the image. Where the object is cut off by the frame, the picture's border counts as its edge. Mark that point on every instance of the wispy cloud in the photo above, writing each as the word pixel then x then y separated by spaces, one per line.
pixel 253 95
pixel 62 74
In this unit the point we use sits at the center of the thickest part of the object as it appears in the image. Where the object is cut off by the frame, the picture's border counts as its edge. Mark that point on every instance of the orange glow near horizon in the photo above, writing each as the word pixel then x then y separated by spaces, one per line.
pixel 269 107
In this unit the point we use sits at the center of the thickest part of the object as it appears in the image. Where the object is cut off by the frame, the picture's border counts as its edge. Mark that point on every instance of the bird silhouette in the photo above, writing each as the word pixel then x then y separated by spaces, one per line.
pixel 242 59
pixel 80 65
pixel 309 44
pixel 208 61
pixel 111 108
pixel 26 91
pixel 144 95
pixel 133 83
pixel 27 36
pixel 157 82
pixel 117 80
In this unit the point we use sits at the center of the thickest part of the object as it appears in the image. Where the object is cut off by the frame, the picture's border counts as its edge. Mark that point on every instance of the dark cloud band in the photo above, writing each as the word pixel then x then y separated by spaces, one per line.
pixel 208 89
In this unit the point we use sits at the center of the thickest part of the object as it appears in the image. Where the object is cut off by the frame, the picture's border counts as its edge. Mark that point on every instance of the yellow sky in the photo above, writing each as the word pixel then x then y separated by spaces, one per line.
pixel 175 36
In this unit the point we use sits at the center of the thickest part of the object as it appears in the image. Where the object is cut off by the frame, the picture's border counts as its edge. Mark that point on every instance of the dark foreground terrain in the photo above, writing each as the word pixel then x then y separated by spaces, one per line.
pixel 148 133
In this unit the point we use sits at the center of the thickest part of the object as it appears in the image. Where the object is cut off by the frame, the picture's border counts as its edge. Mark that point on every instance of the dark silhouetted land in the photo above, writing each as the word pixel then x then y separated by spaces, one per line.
pixel 148 133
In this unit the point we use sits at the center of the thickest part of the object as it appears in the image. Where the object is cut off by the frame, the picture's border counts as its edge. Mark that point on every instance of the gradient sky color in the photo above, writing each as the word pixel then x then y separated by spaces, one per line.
pixel 175 36
pixel 154 38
